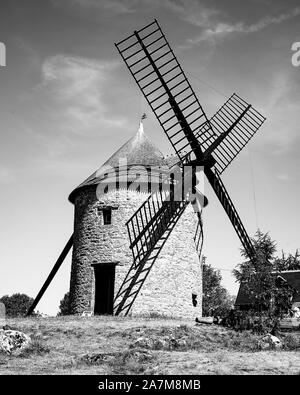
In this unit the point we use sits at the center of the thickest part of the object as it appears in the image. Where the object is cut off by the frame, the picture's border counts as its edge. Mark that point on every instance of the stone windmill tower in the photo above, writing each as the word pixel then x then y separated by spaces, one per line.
pixel 101 253
pixel 124 218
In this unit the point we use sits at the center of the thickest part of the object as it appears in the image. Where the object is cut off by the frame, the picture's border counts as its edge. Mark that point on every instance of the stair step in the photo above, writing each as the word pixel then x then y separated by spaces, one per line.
pixel 147 239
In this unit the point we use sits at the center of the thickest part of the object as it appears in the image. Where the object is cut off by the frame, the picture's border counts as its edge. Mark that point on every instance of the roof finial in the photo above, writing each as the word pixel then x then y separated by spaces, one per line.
pixel 141 128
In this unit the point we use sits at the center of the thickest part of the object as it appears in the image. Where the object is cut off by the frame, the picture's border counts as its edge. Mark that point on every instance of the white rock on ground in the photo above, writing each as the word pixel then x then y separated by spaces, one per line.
pixel 11 341
pixel 269 341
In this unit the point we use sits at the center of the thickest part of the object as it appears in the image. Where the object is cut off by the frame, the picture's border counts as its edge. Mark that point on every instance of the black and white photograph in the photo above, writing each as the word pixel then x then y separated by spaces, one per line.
pixel 149 178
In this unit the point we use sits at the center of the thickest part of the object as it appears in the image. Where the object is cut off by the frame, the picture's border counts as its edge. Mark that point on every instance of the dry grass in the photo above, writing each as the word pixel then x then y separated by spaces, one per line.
pixel 105 345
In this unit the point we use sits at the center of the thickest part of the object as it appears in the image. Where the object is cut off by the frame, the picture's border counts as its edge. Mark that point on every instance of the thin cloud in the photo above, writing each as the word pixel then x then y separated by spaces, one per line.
pixel 192 11
pixel 220 30
pixel 115 6
pixel 282 111
pixel 112 6
pixel 76 87
pixel 283 177
pixel 66 168
pixel 7 175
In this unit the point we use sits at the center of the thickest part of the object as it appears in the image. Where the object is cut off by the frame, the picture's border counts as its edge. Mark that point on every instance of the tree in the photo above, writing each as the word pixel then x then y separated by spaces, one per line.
pixel 256 276
pixel 64 305
pixel 259 277
pixel 288 262
pixel 216 300
pixel 17 304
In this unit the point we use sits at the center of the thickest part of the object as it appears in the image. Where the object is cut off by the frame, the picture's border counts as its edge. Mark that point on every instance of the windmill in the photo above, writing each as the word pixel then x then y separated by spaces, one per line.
pixel 197 141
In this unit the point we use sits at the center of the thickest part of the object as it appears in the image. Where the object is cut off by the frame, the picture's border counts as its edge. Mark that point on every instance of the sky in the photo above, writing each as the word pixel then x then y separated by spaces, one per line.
pixel 67 102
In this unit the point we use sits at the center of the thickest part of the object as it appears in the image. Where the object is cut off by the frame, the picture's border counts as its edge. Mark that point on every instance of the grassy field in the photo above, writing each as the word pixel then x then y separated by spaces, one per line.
pixel 107 345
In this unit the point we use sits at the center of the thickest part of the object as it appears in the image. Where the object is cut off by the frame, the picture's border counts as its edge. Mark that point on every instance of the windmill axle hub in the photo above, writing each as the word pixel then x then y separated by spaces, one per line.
pixel 206 162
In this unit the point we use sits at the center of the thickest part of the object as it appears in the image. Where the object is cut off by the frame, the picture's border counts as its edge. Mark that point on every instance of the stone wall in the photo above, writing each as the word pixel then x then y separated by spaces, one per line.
pixel 175 275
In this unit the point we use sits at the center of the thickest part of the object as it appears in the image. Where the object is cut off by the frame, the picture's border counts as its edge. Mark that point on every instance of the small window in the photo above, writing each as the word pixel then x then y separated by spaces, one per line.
pixel 107 216
pixel 194 299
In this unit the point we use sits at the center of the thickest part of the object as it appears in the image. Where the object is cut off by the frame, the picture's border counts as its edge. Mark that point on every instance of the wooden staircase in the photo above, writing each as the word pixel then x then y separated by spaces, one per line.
pixel 148 229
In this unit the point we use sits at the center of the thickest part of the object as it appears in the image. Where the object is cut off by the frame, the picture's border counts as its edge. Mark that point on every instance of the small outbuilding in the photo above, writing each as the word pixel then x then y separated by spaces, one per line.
pixel 290 277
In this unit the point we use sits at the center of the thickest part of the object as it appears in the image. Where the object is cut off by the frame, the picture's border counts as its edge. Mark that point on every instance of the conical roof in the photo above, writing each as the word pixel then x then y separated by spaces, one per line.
pixel 138 150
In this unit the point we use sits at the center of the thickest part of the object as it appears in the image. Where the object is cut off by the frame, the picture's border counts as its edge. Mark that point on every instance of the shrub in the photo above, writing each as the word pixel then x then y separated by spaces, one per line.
pixel 17 304
pixel 36 347
pixel 259 323
pixel 291 341
pixel 64 305
pixel 216 300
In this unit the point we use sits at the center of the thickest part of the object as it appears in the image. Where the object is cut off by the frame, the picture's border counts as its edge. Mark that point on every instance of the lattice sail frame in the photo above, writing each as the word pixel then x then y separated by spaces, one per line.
pixel 160 77
pixel 195 139
pixel 192 135
pixel 164 84
pixel 243 121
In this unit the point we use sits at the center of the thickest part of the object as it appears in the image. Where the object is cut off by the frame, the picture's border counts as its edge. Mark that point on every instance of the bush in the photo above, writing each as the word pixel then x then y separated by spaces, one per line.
pixel 250 320
pixel 17 304
pixel 64 306
pixel 216 300
pixel 292 341
pixel 36 347
pixel 259 277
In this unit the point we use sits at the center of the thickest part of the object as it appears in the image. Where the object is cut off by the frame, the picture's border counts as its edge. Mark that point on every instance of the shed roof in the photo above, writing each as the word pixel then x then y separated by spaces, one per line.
pixel 292 277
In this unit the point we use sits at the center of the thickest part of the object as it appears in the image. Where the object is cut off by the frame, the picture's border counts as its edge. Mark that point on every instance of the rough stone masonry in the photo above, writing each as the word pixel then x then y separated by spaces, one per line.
pixel 176 276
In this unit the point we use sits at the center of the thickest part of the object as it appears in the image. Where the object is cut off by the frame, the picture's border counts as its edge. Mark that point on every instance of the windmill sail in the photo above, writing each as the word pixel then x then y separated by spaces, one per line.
pixel 224 198
pixel 195 139
pixel 166 88
pixel 238 121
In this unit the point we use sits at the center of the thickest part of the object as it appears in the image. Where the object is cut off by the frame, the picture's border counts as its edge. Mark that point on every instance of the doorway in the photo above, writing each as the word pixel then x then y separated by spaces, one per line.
pixel 104 288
